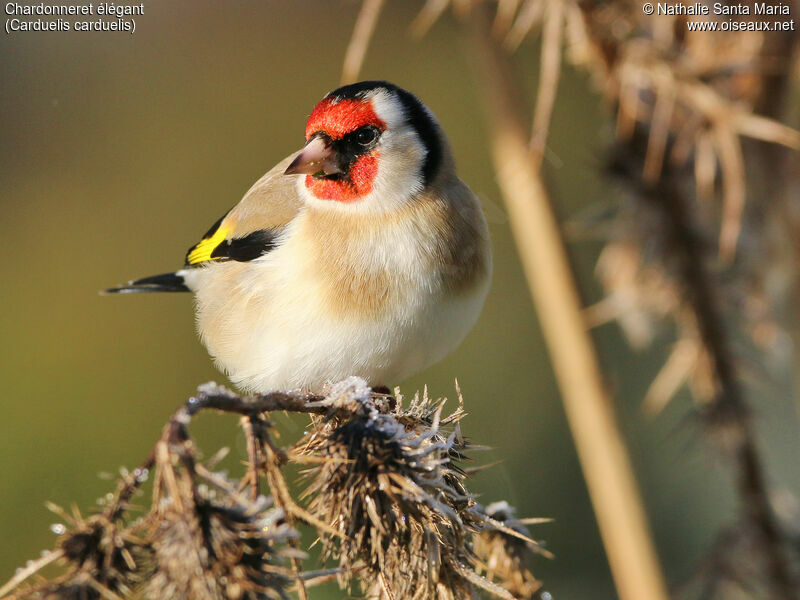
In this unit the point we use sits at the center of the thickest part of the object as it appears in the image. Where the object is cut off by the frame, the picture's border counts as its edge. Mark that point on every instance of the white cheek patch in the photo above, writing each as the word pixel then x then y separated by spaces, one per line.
pixel 399 168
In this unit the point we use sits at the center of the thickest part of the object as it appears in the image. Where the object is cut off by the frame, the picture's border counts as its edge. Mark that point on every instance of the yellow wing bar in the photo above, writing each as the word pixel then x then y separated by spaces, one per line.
pixel 203 250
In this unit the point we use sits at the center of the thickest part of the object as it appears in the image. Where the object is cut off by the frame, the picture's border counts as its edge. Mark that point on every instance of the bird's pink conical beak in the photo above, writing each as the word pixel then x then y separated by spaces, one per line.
pixel 316 157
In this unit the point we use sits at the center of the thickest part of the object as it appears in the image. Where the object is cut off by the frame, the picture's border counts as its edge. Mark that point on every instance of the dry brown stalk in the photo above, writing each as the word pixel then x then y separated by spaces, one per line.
pixel 248 425
pixel 429 14
pixel 600 447
pixel 688 87
pixel 359 41
pixel 727 412
pixel 721 98
pixel 273 460
pixel 548 78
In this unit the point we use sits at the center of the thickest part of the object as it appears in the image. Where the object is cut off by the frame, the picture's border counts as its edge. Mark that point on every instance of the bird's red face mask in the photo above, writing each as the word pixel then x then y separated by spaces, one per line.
pixel 340 159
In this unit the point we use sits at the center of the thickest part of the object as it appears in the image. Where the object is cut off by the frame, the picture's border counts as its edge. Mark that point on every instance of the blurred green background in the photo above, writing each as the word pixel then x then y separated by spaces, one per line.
pixel 119 150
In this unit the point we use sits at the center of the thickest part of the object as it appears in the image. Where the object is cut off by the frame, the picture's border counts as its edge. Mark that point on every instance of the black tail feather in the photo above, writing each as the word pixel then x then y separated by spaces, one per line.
pixel 167 282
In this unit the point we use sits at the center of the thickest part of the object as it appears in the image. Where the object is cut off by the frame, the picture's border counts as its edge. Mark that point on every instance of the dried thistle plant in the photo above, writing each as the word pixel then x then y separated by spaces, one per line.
pixel 686 102
pixel 212 542
pixel 388 481
pixel 103 561
pixel 504 550
pixel 387 498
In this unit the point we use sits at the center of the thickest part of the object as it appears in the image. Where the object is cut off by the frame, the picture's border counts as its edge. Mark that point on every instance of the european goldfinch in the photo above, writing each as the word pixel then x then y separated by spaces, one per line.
pixel 362 254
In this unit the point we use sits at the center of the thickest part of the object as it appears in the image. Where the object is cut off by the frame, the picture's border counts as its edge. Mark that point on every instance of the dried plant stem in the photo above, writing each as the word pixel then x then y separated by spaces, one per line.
pixel 429 14
pixel 104 592
pixel 217 397
pixel 777 170
pixel 359 41
pixel 506 9
pixel 385 587
pixel 248 426
pixel 31 569
pixel 729 407
pixel 283 499
pixel 550 70
pixel 603 455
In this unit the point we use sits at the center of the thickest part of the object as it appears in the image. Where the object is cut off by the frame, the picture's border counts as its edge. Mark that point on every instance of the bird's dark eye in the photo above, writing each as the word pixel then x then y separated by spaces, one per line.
pixel 367 135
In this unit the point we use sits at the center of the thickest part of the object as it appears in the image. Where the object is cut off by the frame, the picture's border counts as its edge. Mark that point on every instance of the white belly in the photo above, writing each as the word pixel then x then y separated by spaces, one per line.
pixel 265 324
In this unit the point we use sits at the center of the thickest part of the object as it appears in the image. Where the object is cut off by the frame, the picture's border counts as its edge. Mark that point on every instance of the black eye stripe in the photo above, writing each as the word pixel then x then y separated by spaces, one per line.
pixel 363 137
pixel 350 147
